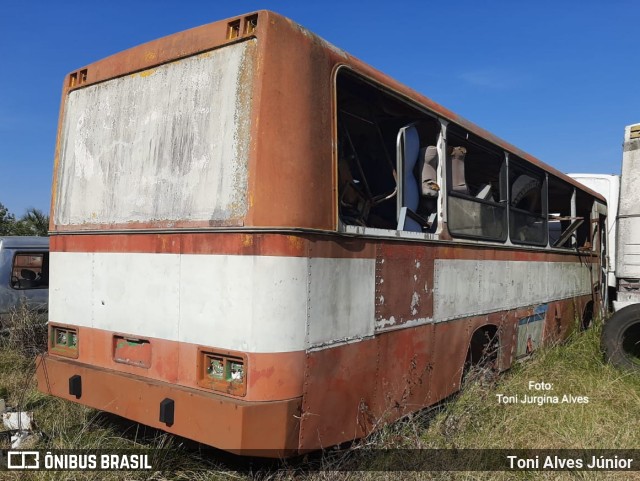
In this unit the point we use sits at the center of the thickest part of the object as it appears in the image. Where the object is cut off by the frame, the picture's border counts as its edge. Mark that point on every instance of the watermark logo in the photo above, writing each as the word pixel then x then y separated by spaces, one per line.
pixel 21 459
pixel 75 460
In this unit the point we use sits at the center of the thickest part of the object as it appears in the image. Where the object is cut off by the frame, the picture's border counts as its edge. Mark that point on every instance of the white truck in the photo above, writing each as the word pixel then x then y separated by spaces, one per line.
pixel 609 187
pixel 621 332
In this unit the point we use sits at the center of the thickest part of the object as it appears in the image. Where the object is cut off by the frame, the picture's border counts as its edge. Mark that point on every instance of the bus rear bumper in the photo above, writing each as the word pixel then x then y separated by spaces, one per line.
pixel 268 429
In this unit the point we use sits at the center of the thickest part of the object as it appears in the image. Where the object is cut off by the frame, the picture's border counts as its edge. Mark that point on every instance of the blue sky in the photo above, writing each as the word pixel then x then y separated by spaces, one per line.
pixel 559 79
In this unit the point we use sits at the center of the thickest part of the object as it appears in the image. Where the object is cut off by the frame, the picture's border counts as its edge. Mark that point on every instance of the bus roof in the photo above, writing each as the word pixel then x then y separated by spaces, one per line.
pixel 209 36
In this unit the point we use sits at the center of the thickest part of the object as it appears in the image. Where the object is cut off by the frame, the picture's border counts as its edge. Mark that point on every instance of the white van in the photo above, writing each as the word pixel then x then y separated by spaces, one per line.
pixel 24 273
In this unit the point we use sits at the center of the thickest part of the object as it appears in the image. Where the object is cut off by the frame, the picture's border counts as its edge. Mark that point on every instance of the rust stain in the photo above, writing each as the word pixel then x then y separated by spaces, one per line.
pixel 150 56
pixel 261 375
pixel 296 242
pixel 247 240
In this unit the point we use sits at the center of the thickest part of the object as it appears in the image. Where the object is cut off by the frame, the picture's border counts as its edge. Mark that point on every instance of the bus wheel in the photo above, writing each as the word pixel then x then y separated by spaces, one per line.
pixel 481 363
pixel 621 338
pixel 587 316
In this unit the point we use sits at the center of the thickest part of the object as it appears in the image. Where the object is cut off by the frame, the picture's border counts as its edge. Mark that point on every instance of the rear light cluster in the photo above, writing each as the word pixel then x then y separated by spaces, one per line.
pixel 63 341
pixel 224 372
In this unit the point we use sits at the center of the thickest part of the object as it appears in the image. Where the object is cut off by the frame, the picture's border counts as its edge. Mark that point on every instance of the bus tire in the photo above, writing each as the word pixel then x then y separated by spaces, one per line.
pixel 621 338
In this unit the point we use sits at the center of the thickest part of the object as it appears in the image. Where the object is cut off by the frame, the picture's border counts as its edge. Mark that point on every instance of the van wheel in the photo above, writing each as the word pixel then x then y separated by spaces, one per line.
pixel 621 338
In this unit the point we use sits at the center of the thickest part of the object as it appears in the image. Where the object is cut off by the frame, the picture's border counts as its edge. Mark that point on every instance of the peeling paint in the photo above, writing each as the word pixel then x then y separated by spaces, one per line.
pixel 415 301
pixel 135 150
pixel 247 240
pixel 390 324
pixel 472 287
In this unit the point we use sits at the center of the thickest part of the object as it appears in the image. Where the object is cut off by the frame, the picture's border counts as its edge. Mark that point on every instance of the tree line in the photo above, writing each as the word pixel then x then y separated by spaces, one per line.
pixel 33 222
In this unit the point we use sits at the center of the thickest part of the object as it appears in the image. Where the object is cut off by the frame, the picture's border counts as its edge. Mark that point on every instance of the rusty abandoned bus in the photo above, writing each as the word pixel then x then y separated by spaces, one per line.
pixel 260 242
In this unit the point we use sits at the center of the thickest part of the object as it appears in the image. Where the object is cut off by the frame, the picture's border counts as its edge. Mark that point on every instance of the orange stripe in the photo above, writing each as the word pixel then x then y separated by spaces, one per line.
pixel 270 376
pixel 231 424
pixel 296 245
pixel 218 243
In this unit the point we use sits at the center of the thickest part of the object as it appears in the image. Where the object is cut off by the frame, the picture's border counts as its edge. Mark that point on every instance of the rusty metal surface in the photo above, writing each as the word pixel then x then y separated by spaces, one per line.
pixel 237 244
pixel 404 285
pixel 209 418
pixel 292 166
pixel 285 156
pixel 352 389
pixel 270 376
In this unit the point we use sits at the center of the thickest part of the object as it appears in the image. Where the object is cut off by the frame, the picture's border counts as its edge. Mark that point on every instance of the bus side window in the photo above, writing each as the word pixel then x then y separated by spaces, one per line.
pixel 408 150
pixel 370 121
pixel 562 224
pixel 354 201
pixel 476 187
pixel 458 181
pixel 584 204
pixel 527 205
pixel 417 202
pixel 429 188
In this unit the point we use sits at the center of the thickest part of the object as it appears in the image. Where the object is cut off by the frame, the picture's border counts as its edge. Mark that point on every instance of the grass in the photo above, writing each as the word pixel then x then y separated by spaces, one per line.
pixel 472 419
pixel 575 368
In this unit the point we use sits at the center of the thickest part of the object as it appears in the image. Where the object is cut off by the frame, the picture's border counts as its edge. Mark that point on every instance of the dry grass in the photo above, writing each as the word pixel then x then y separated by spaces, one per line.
pixel 575 368
pixel 473 419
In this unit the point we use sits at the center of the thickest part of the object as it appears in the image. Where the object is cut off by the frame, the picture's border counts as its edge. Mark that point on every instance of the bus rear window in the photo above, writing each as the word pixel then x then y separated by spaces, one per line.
pixel 163 145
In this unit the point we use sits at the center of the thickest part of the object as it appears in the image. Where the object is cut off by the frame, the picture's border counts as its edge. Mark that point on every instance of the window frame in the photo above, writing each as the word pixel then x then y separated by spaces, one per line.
pixel 43 268
pixel 522 167
pixel 492 150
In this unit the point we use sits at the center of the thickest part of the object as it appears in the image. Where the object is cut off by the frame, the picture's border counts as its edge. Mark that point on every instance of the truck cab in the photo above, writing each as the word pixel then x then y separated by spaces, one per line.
pixel 621 332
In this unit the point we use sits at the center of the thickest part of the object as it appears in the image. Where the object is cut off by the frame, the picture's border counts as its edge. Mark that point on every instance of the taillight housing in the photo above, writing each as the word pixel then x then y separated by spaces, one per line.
pixel 63 340
pixel 222 371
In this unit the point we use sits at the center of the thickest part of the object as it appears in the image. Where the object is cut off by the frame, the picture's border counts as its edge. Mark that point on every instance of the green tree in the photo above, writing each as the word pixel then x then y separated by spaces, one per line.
pixel 34 222
pixel 7 221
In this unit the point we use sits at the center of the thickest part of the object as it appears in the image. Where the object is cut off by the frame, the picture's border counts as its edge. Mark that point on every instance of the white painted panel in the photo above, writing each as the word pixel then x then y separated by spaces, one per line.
pixel 71 288
pixel 342 300
pixel 470 287
pixel 246 303
pixel 136 293
pixel 628 265
pixel 169 143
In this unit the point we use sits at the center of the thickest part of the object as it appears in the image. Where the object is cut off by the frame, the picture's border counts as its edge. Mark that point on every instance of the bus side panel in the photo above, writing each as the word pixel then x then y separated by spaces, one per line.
pixel 563 317
pixel 404 285
pixel 290 152
pixel 353 389
pixel 338 392
pixel 404 375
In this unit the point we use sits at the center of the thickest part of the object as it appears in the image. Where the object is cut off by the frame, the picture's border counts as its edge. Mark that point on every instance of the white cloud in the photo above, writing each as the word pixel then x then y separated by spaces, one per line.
pixel 493 78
